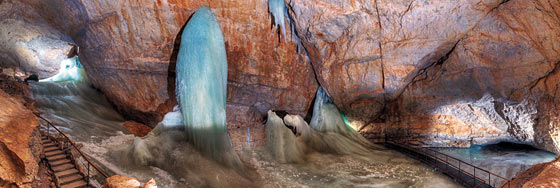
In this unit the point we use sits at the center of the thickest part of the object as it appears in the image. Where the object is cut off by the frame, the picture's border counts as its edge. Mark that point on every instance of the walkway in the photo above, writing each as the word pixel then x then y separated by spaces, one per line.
pixel 60 161
pixel 464 173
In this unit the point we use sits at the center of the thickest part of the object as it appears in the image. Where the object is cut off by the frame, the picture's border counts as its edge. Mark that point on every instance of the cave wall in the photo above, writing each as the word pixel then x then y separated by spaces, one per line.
pixel 444 73
pixel 127 49
pixel 28 44
pixel 18 153
pixel 489 87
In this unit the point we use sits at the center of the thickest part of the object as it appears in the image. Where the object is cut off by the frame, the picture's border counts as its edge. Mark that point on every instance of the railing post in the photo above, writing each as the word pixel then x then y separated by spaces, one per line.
pixel 446 164
pixel 489 180
pixel 474 176
pixel 88 174
pixel 460 169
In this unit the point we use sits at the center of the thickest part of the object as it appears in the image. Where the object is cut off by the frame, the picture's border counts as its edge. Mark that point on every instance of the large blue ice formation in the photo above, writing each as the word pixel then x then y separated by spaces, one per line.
pixel 201 86
pixel 328 120
pixel 70 70
pixel 328 132
pixel 279 11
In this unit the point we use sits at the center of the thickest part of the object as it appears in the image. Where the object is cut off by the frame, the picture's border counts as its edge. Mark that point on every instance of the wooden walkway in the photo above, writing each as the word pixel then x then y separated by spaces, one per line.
pixel 60 161
pixel 60 158
pixel 462 172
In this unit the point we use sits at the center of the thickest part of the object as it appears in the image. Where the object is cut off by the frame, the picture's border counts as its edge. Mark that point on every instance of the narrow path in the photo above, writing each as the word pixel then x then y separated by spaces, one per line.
pixel 464 173
pixel 61 163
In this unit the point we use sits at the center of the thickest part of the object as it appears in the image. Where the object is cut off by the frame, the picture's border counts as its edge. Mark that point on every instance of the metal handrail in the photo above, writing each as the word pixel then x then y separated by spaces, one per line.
pixel 49 124
pixel 426 152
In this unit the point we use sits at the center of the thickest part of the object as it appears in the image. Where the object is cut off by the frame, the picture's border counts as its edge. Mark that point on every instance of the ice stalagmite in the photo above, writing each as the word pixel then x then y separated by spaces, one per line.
pixel 337 136
pixel 279 11
pixel 201 86
pixel 281 141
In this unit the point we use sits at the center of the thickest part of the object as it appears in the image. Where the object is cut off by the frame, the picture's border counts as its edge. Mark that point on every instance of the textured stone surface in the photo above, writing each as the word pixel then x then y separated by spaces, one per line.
pixel 127 49
pixel 539 176
pixel 28 44
pixel 118 181
pixel 497 84
pixel 17 163
pixel 366 52
pixel 445 73
pixel 136 128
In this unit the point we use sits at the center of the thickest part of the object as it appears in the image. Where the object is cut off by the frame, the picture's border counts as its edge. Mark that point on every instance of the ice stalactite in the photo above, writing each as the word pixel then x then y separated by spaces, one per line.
pixel 281 141
pixel 70 70
pixel 201 87
pixel 280 13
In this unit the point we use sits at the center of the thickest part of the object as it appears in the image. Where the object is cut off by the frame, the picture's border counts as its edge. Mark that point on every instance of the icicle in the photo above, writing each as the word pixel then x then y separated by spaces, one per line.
pixel 201 87
pixel 248 136
pixel 279 11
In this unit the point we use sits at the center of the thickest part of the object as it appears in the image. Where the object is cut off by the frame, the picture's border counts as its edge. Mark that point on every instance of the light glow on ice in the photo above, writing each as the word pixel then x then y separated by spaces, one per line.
pixel 202 85
pixel 70 70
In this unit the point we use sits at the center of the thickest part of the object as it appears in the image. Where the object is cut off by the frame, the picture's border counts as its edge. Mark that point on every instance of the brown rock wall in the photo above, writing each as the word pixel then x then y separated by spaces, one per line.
pixel 18 165
pixel 496 84
pixel 127 47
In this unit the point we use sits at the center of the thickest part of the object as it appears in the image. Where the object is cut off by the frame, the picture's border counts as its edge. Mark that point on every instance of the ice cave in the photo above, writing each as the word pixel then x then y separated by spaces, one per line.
pixel 280 93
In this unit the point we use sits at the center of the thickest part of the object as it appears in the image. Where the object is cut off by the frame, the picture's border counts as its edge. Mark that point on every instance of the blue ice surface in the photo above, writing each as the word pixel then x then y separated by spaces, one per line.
pixel 70 70
pixel 280 13
pixel 202 85
pixel 328 119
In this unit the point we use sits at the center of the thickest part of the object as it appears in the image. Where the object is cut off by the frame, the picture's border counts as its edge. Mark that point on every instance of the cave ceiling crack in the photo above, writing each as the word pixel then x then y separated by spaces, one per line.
pixel 544 77
pixel 424 71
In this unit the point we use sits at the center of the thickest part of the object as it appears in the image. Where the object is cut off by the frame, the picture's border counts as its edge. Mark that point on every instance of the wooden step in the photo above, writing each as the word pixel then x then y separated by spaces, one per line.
pixel 60 162
pixel 56 157
pixel 49 145
pixel 52 148
pixel 55 152
pixel 65 173
pixel 70 179
pixel 63 167
pixel 75 184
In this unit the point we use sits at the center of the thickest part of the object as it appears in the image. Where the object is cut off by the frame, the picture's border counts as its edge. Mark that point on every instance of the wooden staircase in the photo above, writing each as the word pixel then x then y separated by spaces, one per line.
pixel 60 161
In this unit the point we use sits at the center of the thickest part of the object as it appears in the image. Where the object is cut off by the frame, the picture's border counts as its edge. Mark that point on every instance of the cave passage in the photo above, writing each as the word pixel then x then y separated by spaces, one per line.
pixel 367 70
pixel 505 158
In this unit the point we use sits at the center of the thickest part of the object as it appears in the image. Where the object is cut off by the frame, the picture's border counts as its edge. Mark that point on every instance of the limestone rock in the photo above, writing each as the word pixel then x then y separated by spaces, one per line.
pixel 16 126
pixel 541 176
pixel 366 52
pixel 136 128
pixel 118 181
pixel 497 84
pixel 128 49
pixel 30 45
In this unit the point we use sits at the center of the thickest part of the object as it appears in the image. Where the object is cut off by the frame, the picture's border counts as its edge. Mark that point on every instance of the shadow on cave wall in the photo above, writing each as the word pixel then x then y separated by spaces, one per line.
pixel 171 69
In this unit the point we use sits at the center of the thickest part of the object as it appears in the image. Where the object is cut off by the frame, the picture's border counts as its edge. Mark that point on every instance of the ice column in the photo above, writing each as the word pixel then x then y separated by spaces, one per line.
pixel 201 86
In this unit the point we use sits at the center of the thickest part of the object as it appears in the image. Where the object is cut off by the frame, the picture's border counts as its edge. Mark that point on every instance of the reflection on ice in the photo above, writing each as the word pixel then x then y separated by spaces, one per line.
pixel 504 159
pixel 70 70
